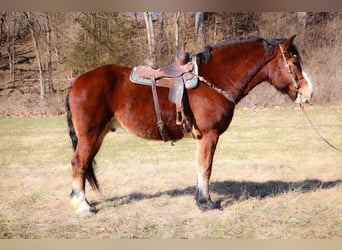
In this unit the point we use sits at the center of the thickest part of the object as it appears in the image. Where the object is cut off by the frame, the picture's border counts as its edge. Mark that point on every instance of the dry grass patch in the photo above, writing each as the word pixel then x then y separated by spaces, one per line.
pixel 273 176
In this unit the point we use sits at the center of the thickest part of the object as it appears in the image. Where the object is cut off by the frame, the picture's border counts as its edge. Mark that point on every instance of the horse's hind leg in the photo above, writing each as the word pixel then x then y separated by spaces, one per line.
pixel 205 152
pixel 82 169
pixel 80 162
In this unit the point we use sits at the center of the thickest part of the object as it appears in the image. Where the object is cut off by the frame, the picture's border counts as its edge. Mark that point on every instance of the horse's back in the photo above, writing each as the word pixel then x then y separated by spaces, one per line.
pixel 99 82
pixel 102 77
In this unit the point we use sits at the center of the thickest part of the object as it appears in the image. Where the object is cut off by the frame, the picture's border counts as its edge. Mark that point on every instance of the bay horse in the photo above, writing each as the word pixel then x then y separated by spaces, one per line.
pixel 104 99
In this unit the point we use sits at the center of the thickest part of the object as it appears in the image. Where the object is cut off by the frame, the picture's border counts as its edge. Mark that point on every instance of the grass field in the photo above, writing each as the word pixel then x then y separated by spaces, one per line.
pixel 274 177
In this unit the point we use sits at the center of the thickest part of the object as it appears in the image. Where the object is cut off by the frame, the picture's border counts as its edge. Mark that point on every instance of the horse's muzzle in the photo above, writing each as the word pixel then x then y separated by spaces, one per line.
pixel 305 92
pixel 304 95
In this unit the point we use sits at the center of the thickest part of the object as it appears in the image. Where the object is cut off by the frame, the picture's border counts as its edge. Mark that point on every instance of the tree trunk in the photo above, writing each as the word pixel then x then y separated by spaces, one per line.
pixel 49 50
pixel 36 46
pixel 177 15
pixel 10 42
pixel 199 30
pixel 162 41
pixel 150 34
pixel 11 63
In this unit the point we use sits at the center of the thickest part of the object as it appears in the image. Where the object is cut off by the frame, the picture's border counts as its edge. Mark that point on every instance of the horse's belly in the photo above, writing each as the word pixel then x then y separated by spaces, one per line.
pixel 143 130
pixel 137 129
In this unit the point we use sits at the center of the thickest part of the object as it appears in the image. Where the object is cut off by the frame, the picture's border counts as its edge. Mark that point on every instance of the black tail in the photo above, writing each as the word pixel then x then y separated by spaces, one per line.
pixel 72 131
pixel 90 174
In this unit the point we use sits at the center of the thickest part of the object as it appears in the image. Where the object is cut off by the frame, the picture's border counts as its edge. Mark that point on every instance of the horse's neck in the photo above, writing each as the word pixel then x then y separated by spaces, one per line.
pixel 238 77
pixel 259 77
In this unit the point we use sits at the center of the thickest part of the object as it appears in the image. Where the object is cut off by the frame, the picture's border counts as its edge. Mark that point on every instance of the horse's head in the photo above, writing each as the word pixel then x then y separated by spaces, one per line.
pixel 287 73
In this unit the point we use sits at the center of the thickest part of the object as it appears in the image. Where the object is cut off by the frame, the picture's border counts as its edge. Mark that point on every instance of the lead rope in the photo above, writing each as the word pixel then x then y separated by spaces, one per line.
pixel 302 106
pixel 317 132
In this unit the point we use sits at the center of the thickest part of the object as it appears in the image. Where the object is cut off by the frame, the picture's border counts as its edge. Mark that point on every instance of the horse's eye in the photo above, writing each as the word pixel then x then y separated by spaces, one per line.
pixel 295 63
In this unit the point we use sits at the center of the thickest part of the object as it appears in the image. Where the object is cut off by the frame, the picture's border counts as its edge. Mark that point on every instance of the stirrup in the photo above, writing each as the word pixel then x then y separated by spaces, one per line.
pixel 180 116
pixel 183 120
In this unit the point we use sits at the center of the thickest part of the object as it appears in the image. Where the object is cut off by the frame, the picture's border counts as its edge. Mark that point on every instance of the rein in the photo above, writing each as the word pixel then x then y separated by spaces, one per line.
pixel 316 130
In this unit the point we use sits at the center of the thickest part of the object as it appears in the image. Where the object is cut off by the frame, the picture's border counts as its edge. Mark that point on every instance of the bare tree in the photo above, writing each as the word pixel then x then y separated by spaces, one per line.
pixel 199 30
pixel 177 15
pixel 162 34
pixel 150 34
pixel 30 22
pixel 49 50
pixel 8 32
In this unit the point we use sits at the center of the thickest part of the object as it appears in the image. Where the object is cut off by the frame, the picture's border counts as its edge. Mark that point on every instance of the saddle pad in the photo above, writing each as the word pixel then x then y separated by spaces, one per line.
pixel 135 78
pixel 190 80
pixel 142 74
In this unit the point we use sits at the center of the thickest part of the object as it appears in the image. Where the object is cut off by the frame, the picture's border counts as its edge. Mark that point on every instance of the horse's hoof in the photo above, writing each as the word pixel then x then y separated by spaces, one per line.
pixel 209 205
pixel 86 213
pixel 82 207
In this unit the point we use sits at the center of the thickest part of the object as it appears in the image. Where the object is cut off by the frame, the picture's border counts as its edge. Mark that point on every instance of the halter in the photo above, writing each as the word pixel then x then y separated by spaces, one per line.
pixel 295 83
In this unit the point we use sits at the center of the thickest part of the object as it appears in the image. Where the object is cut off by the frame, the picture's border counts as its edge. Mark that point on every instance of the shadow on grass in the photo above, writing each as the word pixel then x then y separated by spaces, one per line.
pixel 229 192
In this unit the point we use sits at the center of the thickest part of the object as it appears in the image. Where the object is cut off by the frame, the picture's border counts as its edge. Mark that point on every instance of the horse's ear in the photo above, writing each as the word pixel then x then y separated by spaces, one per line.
pixel 289 41
pixel 292 38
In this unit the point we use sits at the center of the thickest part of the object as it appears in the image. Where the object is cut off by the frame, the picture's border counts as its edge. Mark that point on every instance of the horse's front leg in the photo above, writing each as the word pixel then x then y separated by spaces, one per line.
pixel 205 152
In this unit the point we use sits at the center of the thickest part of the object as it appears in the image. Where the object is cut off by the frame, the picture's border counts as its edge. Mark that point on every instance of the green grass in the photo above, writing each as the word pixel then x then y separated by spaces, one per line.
pixel 274 176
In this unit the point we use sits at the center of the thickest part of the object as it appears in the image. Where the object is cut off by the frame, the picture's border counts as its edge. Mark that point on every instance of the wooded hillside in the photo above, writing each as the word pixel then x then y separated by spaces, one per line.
pixel 42 53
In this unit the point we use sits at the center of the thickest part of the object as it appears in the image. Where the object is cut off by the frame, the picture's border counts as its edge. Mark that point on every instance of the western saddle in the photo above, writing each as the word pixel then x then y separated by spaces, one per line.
pixel 179 74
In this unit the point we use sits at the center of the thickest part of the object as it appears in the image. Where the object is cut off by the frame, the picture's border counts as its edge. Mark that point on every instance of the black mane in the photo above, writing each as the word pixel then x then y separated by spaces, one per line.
pixel 205 55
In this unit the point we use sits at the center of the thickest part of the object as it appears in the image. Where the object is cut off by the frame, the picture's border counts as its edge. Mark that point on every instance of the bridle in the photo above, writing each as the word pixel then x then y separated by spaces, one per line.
pixel 295 83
